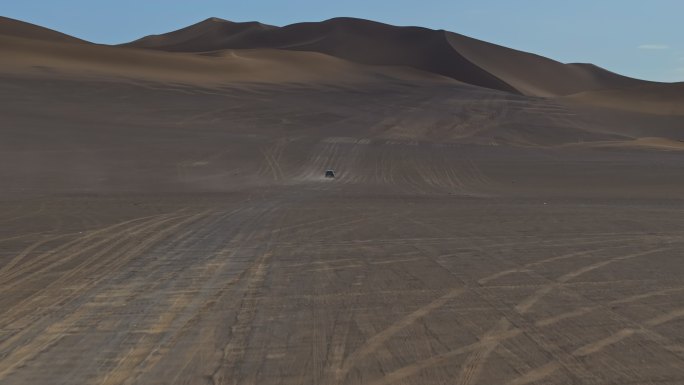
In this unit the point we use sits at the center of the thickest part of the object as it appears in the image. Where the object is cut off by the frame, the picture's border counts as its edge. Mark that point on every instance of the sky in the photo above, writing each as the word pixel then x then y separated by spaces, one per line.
pixel 638 38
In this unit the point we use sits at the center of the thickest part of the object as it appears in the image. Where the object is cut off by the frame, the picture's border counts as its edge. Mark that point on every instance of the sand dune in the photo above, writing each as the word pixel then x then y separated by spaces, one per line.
pixel 449 54
pixel 16 28
pixel 536 75
pixel 209 35
pixel 350 39
pixel 32 56
pixel 440 52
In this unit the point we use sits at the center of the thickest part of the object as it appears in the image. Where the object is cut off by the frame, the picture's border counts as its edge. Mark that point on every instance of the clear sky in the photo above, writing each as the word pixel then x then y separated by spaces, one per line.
pixel 639 38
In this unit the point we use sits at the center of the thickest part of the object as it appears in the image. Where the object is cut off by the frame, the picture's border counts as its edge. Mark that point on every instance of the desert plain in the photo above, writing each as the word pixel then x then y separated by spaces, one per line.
pixel 496 217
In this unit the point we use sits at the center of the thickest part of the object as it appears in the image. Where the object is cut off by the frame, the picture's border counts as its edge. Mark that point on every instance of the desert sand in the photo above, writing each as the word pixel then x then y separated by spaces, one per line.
pixel 496 218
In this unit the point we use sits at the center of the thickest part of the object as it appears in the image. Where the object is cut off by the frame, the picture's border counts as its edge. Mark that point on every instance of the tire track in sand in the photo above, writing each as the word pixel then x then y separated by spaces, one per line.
pixel 57 330
pixel 584 310
pixel 240 332
pixel 376 341
pixel 502 331
pixel 66 252
pixel 145 356
pixel 110 243
pixel 525 305
pixel 541 372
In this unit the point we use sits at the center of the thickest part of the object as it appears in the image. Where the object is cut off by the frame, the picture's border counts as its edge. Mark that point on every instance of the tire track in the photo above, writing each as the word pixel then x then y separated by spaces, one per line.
pixel 584 310
pixel 325 155
pixel 442 240
pixel 473 365
pixel 71 249
pixel 528 266
pixel 488 342
pixel 30 214
pixel 440 359
pixel 18 237
pixel 29 249
pixel 232 354
pixel 28 303
pixel 376 341
pixel 147 351
pixel 57 330
pixel 110 242
pixel 240 332
pixel 272 156
pixel 147 356
pixel 539 373
pixel 334 368
pixel 526 304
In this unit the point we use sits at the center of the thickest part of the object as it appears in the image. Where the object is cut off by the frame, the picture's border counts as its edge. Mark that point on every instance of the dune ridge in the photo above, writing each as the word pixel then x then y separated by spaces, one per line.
pixel 356 40
pixel 365 42
pixel 446 53
pixel 26 48
pixel 337 51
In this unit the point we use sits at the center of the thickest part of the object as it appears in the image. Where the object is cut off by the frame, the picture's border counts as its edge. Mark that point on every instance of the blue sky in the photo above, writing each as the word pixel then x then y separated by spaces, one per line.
pixel 638 38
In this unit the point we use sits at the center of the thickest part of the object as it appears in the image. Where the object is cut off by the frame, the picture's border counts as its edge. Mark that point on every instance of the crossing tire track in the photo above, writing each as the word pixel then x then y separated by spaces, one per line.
pixel 19 355
pixel 241 330
pixel 64 253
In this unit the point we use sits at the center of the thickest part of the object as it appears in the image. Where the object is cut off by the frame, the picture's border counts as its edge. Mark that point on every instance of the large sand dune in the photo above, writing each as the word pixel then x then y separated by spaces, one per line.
pixel 462 58
pixel 164 217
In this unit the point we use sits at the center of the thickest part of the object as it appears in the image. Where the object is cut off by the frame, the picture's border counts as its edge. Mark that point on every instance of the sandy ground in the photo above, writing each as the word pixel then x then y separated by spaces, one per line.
pixel 292 286
pixel 176 228
pixel 158 234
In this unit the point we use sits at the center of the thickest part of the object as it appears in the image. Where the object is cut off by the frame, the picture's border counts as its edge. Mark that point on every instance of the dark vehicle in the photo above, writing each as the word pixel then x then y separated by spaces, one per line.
pixel 329 173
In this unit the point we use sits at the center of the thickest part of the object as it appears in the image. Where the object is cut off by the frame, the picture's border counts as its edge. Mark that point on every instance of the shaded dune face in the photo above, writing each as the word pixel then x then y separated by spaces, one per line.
pixel 536 75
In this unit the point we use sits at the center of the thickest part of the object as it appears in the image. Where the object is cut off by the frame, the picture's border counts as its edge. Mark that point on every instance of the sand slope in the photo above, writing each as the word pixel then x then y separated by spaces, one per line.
pixel 16 28
pixel 657 99
pixel 30 49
